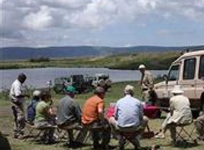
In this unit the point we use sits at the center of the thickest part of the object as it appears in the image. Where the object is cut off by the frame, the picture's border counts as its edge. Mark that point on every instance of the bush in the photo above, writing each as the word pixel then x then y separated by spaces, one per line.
pixel 39 59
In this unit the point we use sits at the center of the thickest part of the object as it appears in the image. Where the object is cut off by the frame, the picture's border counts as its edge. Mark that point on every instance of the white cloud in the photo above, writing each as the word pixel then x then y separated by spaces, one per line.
pixel 96 14
pixel 20 17
pixel 39 20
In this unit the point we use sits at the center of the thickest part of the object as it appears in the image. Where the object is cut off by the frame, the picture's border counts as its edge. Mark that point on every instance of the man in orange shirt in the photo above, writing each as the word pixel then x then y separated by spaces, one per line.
pixel 93 117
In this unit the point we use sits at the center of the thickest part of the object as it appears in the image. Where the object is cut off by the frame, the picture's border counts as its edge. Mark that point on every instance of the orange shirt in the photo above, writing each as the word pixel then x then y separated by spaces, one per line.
pixel 91 108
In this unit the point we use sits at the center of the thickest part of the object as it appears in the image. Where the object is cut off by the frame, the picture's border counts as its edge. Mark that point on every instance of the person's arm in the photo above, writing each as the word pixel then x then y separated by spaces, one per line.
pixel 171 103
pixel 77 111
pixel 150 81
pixel 19 92
pixel 116 112
pixel 100 108
pixel 141 112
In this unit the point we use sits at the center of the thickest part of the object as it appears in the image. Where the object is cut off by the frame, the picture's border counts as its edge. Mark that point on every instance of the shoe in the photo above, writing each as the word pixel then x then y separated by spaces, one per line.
pixel 106 147
pixel 73 144
pixel 15 136
pixel 159 136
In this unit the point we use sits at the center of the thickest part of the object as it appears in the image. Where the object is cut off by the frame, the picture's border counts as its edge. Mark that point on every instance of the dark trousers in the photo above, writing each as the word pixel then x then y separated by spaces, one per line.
pixel 19 119
pixel 101 133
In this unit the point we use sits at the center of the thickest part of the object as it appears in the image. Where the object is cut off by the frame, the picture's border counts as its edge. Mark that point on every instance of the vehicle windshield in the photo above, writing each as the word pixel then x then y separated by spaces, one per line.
pixel 174 73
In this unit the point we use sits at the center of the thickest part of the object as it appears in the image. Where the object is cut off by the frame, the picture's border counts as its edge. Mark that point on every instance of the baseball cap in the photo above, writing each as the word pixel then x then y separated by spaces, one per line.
pixel 36 93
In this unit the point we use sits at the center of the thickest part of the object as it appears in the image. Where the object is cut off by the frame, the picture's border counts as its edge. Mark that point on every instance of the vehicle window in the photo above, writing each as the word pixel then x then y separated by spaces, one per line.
pixel 201 70
pixel 174 73
pixel 189 68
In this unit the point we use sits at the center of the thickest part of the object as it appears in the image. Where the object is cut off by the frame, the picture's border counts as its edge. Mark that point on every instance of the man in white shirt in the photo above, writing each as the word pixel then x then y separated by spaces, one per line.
pixel 17 96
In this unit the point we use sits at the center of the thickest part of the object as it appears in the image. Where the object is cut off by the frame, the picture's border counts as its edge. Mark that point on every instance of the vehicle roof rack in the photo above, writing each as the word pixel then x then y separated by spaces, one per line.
pixel 193 48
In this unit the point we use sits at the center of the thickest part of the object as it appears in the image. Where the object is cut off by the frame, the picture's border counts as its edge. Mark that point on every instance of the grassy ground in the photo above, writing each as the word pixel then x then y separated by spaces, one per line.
pixel 115 93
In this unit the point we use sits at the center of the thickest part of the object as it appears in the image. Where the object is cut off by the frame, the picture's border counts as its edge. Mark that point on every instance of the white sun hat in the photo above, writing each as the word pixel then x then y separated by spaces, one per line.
pixel 36 93
pixel 177 89
pixel 141 66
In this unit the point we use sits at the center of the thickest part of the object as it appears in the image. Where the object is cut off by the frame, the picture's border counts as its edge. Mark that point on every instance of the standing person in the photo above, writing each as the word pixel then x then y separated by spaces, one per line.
pixel 93 116
pixel 146 82
pixel 180 113
pixel 44 117
pixel 69 116
pixel 17 95
pixel 128 115
pixel 199 123
pixel 31 109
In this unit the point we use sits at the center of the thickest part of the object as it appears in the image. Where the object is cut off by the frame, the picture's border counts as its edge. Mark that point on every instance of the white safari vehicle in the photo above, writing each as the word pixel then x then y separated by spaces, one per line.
pixel 187 71
pixel 102 80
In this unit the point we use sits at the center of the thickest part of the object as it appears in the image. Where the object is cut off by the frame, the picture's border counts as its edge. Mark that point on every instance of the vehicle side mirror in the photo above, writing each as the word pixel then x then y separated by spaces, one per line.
pixel 165 78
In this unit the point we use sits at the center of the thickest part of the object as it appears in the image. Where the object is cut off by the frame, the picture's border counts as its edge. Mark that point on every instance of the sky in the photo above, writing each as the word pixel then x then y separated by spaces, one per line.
pixel 114 23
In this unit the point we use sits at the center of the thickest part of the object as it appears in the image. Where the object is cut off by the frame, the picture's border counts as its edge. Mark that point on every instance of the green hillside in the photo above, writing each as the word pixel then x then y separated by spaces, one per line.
pixel 153 60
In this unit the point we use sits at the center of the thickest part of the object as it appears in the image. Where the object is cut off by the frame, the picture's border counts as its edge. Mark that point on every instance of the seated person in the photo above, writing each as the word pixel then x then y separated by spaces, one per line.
pixel 128 116
pixel 199 124
pixel 31 109
pixel 69 116
pixel 180 113
pixel 44 117
pixel 93 116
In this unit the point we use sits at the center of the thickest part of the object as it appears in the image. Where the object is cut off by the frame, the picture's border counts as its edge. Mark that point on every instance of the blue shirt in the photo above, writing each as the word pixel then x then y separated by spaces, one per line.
pixel 128 112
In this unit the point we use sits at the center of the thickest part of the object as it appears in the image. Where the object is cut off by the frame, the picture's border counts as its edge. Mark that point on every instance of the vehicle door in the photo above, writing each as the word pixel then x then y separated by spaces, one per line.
pixel 200 80
pixel 173 78
pixel 188 76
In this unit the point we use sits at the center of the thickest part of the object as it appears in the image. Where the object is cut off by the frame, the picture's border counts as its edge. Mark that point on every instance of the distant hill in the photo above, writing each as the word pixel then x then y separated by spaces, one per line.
pixel 25 53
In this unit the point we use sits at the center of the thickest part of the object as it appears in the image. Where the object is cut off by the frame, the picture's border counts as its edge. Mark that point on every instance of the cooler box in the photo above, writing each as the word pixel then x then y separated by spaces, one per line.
pixel 152 111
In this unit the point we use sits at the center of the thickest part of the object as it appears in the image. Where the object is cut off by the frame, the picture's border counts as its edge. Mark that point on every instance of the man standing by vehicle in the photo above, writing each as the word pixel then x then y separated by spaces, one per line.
pixel 146 82
pixel 17 96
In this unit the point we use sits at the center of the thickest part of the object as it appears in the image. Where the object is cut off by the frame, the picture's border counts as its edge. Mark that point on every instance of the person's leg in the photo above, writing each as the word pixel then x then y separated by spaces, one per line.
pixel 164 127
pixel 15 125
pixel 106 135
pixel 19 120
pixel 199 124
pixel 81 136
pixel 71 136
pixel 96 138
pixel 114 126
pixel 172 128
pixel 121 141
pixel 144 122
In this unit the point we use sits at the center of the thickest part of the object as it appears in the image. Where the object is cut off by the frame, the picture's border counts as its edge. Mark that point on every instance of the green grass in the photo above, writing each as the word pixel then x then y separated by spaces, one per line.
pixel 6 123
pixel 154 61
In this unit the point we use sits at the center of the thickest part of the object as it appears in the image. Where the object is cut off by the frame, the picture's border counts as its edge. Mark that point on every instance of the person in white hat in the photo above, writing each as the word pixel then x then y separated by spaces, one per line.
pixel 31 107
pixel 146 82
pixel 180 113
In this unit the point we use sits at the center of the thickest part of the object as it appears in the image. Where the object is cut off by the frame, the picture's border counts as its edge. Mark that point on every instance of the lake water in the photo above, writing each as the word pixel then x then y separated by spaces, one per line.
pixel 38 77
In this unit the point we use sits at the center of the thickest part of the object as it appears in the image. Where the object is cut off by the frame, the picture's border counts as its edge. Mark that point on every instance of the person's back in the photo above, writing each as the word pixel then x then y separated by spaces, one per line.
pixel 31 109
pixel 129 112
pixel 68 110
pixel 180 106
pixel 90 109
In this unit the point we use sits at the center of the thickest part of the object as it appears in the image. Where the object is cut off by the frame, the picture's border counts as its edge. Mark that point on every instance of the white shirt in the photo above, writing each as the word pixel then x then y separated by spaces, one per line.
pixel 16 90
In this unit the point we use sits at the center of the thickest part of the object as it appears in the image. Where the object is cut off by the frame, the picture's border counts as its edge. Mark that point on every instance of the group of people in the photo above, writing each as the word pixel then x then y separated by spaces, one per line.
pixel 128 114
pixel 179 107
